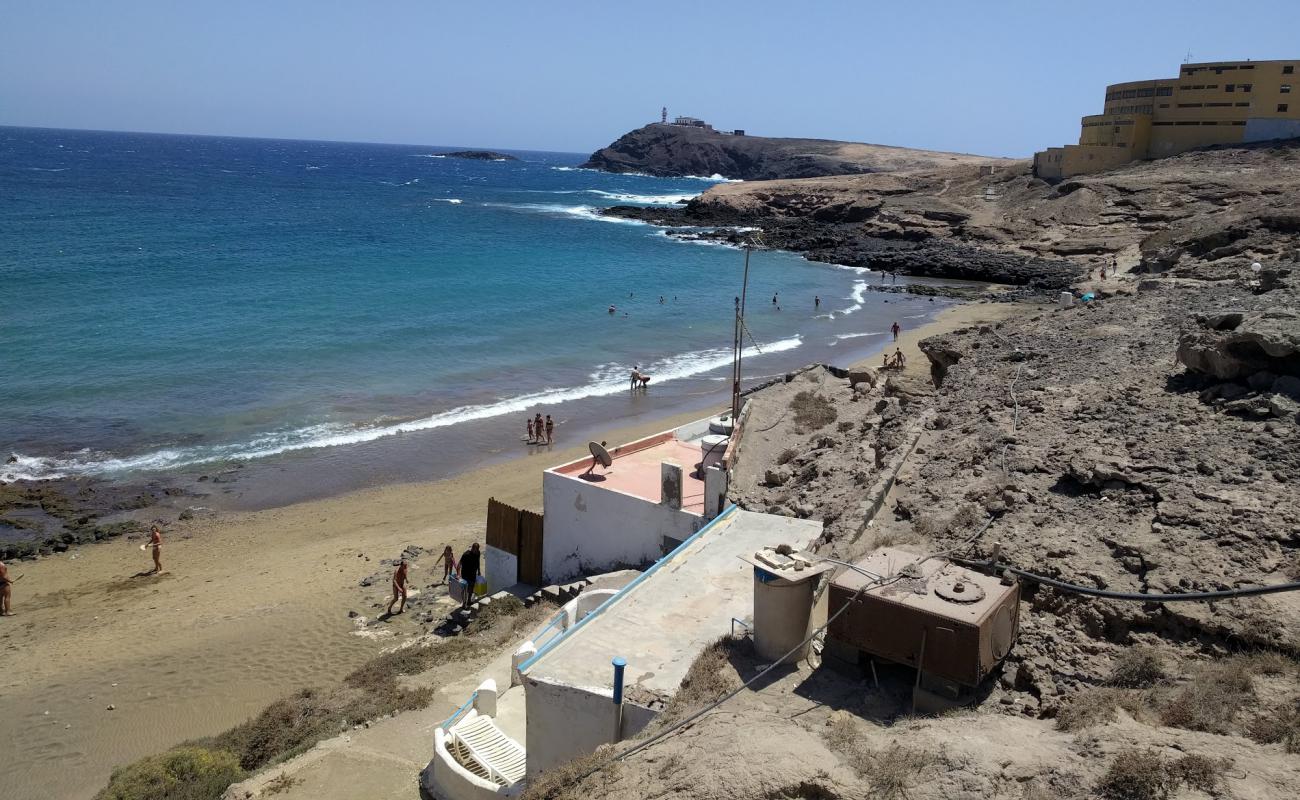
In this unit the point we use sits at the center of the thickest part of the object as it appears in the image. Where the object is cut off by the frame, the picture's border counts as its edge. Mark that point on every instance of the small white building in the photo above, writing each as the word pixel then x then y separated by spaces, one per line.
pixel 656 493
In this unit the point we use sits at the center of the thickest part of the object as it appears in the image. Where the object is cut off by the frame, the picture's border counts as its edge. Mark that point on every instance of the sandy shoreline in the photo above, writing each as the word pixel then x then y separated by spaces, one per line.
pixel 254 605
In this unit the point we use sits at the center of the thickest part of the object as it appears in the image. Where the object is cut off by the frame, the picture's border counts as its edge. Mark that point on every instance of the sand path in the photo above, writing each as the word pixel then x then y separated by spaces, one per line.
pixel 252 607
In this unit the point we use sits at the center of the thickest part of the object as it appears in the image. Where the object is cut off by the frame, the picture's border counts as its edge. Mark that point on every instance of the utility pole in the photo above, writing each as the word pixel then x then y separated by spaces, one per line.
pixel 738 342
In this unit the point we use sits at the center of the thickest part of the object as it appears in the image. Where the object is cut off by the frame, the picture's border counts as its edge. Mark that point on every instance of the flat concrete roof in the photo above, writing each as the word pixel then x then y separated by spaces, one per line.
pixel 685 602
pixel 636 469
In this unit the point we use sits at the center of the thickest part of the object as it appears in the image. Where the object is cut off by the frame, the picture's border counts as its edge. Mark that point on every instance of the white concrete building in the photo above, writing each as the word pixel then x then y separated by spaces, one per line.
pixel 658 624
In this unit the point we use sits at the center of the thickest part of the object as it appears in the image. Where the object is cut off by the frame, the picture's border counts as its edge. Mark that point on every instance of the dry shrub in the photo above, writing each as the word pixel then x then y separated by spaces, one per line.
pixel 710 677
pixel 889 772
pixel 182 773
pixel 1280 724
pixel 1088 708
pixel 812 411
pixel 1137 775
pixel 1201 772
pixel 566 782
pixel 1138 668
pixel 787 455
pixel 280 783
pixel 928 526
pixel 1266 662
pixel 1210 700
pixel 966 518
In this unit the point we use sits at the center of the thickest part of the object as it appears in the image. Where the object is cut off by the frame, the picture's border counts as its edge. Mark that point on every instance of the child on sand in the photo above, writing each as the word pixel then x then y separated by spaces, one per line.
pixel 530 429
pixel 5 583
pixel 448 557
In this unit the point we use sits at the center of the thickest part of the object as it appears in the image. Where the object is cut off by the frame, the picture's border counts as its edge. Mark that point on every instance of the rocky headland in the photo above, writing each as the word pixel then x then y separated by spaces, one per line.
pixel 480 155
pixel 679 150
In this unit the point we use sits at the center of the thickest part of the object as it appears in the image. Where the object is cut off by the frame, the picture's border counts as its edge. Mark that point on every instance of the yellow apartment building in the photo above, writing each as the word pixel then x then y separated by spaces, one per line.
pixel 1223 102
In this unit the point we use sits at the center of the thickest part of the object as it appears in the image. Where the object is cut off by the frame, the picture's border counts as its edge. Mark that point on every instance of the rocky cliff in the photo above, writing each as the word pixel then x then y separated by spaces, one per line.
pixel 675 150
pixel 1198 212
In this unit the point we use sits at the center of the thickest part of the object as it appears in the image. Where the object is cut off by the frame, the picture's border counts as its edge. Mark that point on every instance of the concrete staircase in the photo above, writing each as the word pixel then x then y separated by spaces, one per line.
pixel 558 594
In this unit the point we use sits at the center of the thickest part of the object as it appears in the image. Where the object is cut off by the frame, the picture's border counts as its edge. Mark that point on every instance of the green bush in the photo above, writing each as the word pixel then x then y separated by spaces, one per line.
pixel 183 773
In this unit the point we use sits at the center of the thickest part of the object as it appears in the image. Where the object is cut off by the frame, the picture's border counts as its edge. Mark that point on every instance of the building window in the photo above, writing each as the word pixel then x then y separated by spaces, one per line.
pixel 1246 87
pixel 1164 105
pixel 1286 88
pixel 1239 123
pixel 1187 123
pixel 1249 66
pixel 1242 105
pixel 1162 123
pixel 1218 105
pixel 1288 70
pixel 1164 91
pixel 1190 105
pixel 1229 87
pixel 1281 108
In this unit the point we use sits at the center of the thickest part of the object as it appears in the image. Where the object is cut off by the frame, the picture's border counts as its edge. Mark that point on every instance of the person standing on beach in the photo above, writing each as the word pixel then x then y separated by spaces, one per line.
pixel 530 429
pixel 155 544
pixel 399 588
pixel 469 573
pixel 448 557
pixel 5 583
pixel 537 428
pixel 895 328
pixel 550 429
pixel 817 302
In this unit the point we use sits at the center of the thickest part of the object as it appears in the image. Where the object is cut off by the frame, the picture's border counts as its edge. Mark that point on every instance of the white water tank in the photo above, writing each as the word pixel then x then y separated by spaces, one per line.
pixel 712 448
pixel 722 425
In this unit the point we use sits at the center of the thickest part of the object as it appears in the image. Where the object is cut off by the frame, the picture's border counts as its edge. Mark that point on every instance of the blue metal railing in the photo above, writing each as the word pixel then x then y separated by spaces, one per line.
pixel 598 610
pixel 558 618
pixel 459 712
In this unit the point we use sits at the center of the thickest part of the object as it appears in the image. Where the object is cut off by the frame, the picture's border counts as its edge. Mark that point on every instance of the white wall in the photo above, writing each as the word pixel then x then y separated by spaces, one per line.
pixel 565 722
pixel 590 529
pixel 502 569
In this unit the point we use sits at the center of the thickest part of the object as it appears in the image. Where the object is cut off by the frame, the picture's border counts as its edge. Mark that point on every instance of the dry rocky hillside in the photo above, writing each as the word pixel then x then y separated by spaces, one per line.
pixel 1193 211
pixel 1145 442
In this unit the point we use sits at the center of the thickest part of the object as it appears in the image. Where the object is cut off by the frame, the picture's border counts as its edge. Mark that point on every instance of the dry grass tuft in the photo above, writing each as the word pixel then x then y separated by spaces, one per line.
pixel 1138 668
pixel 1211 699
pixel 1137 775
pixel 566 782
pixel 1200 772
pixel 280 783
pixel 1279 725
pixel 812 411
pixel 841 732
pixel 709 678
pixel 890 772
pixel 1088 708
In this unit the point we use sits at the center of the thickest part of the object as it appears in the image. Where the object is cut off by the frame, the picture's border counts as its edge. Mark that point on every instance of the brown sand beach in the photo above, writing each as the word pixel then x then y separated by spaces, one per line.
pixel 251 607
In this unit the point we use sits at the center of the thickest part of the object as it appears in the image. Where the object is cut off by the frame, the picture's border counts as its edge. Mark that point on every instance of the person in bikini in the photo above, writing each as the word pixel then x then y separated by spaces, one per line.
pixel 155 545
pixel 399 588
pixel 550 429
pixel 5 583
pixel 448 557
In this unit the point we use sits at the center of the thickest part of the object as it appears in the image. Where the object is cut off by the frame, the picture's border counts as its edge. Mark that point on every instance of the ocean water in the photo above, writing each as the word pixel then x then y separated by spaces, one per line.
pixel 177 302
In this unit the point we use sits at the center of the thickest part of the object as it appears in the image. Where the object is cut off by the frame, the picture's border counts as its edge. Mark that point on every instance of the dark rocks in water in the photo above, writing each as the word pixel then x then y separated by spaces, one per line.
pixel 677 150
pixel 480 155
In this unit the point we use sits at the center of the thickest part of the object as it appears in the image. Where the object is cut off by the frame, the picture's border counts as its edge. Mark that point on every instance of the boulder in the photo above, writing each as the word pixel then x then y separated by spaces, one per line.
pixel 1237 345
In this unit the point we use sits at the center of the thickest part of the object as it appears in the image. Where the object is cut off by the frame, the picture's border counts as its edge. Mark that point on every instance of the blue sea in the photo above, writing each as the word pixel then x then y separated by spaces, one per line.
pixel 176 303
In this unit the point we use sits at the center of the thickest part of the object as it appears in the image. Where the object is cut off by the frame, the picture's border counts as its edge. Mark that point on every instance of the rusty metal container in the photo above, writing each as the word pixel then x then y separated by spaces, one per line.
pixel 954 623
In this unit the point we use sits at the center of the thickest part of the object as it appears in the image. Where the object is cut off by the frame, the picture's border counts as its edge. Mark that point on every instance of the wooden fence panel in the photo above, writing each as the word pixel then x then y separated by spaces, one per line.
pixel 530 548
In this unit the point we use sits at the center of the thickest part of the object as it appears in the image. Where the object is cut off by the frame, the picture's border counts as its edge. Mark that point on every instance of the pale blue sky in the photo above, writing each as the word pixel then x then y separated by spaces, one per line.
pixel 1000 78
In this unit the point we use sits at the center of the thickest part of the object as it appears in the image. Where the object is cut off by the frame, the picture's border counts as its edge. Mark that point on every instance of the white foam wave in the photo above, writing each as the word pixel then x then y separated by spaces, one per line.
pixel 581 212
pixel 49 169
pixel 455 201
pixel 427 155
pixel 857 295
pixel 699 241
pixel 842 336
pixel 609 379
pixel 715 177
pixel 645 199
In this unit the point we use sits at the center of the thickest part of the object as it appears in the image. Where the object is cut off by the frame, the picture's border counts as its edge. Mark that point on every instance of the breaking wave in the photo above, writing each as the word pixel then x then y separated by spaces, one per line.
pixel 645 199
pixel 608 379
pixel 455 201
pixel 581 212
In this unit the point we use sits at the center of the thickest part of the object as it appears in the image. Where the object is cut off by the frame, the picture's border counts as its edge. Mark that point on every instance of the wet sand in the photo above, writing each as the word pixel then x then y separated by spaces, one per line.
pixel 253 605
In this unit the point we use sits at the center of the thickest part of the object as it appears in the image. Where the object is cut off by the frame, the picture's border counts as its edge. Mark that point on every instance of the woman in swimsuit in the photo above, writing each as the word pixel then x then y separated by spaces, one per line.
pixel 155 544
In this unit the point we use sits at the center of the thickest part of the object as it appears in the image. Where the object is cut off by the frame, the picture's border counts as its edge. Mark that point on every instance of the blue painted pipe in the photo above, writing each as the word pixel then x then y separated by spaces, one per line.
pixel 619 665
